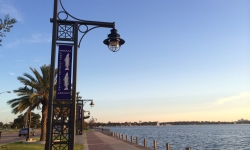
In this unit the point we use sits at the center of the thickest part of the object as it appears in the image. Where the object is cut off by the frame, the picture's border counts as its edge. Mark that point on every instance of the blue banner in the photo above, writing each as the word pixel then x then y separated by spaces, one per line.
pixel 63 90
pixel 79 112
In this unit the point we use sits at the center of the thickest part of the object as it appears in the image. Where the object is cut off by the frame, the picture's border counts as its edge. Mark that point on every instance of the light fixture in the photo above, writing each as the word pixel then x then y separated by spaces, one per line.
pixel 92 104
pixel 114 41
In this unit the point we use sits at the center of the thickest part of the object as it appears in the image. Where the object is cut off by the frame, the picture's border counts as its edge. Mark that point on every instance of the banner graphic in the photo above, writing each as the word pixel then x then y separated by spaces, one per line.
pixel 63 90
pixel 79 112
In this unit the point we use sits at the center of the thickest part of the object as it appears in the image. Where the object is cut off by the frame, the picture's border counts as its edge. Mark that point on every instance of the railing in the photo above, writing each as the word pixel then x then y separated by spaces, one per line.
pixel 121 136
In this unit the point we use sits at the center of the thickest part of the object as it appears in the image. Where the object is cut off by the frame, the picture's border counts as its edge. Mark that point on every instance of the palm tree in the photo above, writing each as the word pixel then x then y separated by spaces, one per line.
pixel 31 98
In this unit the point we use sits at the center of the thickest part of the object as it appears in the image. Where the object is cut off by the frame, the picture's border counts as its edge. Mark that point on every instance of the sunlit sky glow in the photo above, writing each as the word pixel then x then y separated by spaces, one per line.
pixel 182 60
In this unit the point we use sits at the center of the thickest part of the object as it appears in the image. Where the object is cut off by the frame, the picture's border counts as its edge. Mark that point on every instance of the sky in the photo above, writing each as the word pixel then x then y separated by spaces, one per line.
pixel 181 61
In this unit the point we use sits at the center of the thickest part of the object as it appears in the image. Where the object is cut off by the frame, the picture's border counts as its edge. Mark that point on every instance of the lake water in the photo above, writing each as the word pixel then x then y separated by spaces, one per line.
pixel 196 137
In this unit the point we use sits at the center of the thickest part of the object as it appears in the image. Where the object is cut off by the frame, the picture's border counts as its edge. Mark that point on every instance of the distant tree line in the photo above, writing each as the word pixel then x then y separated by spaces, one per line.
pixel 20 122
pixel 169 123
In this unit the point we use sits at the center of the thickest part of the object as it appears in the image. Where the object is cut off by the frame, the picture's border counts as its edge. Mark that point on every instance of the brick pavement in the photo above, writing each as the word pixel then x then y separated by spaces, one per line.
pixel 100 141
pixel 94 143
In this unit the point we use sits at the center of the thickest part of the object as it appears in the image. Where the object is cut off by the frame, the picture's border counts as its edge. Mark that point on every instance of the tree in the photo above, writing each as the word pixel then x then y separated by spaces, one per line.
pixel 31 98
pixel 35 120
pixel 1 124
pixel 18 122
pixel 5 25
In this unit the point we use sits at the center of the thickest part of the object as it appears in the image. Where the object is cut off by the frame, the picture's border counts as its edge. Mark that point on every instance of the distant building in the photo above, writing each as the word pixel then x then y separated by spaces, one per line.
pixel 242 120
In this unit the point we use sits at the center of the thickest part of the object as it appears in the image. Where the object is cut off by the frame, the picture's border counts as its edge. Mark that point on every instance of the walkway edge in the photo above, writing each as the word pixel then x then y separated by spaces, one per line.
pixel 119 144
pixel 85 143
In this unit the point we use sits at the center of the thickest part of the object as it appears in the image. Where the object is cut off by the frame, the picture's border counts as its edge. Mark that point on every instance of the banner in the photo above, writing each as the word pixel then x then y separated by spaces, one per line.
pixel 63 90
pixel 79 112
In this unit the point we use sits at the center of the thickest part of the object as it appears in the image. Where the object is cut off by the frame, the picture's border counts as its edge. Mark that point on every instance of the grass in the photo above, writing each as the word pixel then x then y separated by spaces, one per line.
pixel 9 130
pixel 87 130
pixel 36 138
pixel 30 146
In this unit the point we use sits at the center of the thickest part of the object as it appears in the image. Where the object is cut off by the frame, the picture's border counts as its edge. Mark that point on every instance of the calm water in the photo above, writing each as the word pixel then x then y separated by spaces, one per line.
pixel 197 137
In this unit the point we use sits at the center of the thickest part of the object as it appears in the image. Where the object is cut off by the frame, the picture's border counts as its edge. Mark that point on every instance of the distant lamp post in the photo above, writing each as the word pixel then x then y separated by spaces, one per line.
pixel 91 103
pixel 87 111
pixel 6 92
pixel 85 117
pixel 80 113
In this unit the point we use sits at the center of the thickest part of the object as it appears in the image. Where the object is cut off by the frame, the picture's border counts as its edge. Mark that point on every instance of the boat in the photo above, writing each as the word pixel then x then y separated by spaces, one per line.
pixel 158 124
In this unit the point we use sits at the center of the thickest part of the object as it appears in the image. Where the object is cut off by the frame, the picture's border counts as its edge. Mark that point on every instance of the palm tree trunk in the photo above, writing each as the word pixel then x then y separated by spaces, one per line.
pixel 44 121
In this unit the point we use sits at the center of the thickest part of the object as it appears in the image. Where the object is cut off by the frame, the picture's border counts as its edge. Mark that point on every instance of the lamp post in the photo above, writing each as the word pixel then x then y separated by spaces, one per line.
pixel 87 111
pixel 65 33
pixel 85 118
pixel 80 113
pixel 92 105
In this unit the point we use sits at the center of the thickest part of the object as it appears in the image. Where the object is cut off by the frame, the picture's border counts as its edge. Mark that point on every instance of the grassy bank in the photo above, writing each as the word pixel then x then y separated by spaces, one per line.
pixel 87 130
pixel 31 146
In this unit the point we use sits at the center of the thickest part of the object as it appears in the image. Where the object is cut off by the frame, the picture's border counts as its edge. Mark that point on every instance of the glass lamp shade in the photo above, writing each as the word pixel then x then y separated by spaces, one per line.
pixel 92 104
pixel 114 46
pixel 114 41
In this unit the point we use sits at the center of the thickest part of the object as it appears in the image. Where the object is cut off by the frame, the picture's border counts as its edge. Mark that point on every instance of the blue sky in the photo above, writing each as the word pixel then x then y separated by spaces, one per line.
pixel 182 60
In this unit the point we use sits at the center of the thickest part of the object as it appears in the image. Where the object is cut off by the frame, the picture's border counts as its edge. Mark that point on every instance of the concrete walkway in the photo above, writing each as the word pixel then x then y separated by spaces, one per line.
pixel 98 141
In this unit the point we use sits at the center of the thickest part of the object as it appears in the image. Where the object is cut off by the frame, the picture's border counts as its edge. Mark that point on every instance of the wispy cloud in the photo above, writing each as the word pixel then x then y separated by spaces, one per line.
pixel 6 110
pixel 37 60
pixel 20 60
pixel 240 98
pixel 11 73
pixel 35 38
pixel 38 38
pixel 7 8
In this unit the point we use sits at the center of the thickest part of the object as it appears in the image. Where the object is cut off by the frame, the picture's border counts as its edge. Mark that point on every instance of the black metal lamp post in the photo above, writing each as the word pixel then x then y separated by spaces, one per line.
pixel 92 105
pixel 80 113
pixel 85 117
pixel 89 100
pixel 66 32
pixel 87 111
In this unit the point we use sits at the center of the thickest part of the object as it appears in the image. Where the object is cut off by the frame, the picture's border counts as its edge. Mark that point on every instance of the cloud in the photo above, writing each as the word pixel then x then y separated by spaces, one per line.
pixel 6 110
pixel 11 73
pixel 38 38
pixel 8 8
pixel 240 98
pixel 20 60
pixel 37 60
pixel 35 38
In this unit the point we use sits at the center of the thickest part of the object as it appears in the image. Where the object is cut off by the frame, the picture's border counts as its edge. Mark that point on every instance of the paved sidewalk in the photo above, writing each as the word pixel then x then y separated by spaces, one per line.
pixel 99 141
pixel 95 143
pixel 79 139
